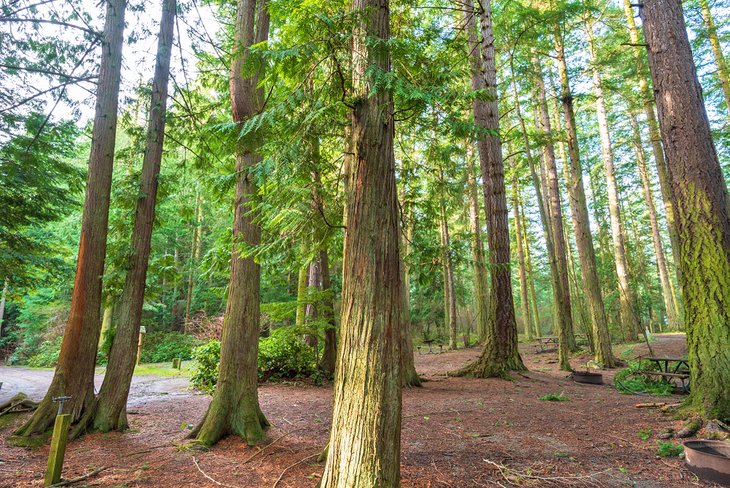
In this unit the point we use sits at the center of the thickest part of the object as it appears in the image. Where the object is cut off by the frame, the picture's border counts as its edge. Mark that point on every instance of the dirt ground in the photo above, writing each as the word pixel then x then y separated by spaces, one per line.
pixel 456 432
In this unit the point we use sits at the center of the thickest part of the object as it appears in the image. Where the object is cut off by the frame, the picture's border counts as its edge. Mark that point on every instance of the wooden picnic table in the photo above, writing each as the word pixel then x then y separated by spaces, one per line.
pixel 670 368
pixel 545 341
pixel 429 342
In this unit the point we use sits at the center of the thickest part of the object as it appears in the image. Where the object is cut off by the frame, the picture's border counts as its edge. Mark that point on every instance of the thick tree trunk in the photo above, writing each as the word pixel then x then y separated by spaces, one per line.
pixel 663 271
pixel 656 140
pixel 524 293
pixel 111 412
pixel 364 445
pixel 629 319
pixel 558 267
pixel 481 284
pixel 722 68
pixel 701 199
pixel 74 374
pixel 500 354
pixel 235 407
pixel 579 212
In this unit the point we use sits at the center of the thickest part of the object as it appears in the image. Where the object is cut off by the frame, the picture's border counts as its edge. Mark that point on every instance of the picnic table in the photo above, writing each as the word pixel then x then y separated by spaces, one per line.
pixel 429 342
pixel 544 343
pixel 670 369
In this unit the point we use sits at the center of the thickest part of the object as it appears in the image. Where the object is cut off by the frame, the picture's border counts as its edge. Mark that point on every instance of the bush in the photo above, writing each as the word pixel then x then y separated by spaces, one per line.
pixel 283 355
pixel 630 381
pixel 159 347
pixel 46 355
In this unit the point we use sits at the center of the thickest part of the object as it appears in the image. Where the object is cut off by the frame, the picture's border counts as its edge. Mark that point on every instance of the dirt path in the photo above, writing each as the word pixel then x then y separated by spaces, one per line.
pixel 454 430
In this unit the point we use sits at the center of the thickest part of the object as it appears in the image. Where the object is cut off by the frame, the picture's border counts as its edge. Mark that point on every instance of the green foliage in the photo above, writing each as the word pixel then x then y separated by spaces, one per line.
pixel 552 397
pixel 645 433
pixel 39 328
pixel 47 355
pixel 629 380
pixel 206 359
pixel 669 449
pixel 158 347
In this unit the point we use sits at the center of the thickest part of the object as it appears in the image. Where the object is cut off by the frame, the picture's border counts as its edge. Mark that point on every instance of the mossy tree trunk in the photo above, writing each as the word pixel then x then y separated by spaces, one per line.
pixel 500 354
pixel 701 200
pixel 111 412
pixel 364 444
pixel 74 375
pixel 235 407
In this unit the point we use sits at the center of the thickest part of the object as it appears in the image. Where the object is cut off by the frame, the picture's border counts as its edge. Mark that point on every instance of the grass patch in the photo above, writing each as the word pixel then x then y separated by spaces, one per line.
pixel 158 369
pixel 669 449
pixel 552 397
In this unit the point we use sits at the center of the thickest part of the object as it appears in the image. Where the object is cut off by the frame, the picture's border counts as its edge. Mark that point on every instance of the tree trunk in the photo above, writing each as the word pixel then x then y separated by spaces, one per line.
pixel 500 354
pixel 329 353
pixel 722 68
pixel 559 266
pixel 302 293
pixel 106 320
pixel 2 305
pixel 629 318
pixel 194 255
pixel 667 295
pixel 74 374
pixel 110 412
pixel 408 367
pixel 701 199
pixel 579 212
pixel 656 140
pixel 530 275
pixel 481 284
pixel 448 272
pixel 235 407
pixel 524 294
pixel 364 446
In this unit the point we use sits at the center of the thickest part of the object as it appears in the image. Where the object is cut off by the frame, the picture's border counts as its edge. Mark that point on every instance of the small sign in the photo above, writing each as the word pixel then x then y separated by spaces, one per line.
pixel 143 330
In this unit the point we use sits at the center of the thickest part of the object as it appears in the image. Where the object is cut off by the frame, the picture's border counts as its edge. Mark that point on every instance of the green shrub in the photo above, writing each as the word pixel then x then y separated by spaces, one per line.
pixel 668 449
pixel 552 397
pixel 629 381
pixel 159 347
pixel 46 355
pixel 283 355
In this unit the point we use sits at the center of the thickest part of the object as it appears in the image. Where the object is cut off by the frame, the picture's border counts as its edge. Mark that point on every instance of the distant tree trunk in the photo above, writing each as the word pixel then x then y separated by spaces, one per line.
pixel 530 275
pixel 558 267
pixel 500 354
pixel 2 305
pixel 647 97
pixel 701 200
pixel 106 320
pixel 74 374
pixel 408 367
pixel 448 272
pixel 579 212
pixel 302 293
pixel 235 406
pixel 524 293
pixel 722 68
pixel 194 255
pixel 629 318
pixel 481 284
pixel 329 352
pixel 364 445
pixel 111 411
pixel 663 271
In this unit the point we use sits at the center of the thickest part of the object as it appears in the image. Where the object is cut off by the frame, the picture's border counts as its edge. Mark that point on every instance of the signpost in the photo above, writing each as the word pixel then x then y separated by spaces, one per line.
pixel 58 443
pixel 142 332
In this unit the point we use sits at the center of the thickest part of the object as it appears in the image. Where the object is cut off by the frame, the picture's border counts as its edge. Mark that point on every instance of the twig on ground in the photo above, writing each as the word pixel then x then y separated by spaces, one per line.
pixel 211 479
pixel 80 478
pixel 291 466
pixel 268 446
pixel 506 471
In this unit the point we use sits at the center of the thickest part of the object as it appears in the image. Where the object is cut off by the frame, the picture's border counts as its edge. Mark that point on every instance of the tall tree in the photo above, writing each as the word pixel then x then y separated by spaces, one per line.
pixel 579 214
pixel 74 375
pixel 629 317
pixel 522 267
pixel 723 73
pixel 500 354
pixel 701 199
pixel 235 406
pixel 364 444
pixel 448 267
pixel 111 412
pixel 481 284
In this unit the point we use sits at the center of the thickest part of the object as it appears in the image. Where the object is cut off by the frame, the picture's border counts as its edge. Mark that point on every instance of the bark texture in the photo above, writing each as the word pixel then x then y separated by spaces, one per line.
pixel 74 374
pixel 481 284
pixel 364 445
pixel 701 200
pixel 522 271
pixel 235 407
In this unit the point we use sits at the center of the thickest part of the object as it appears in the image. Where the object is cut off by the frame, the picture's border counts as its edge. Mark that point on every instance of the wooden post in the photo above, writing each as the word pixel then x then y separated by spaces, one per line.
pixel 176 363
pixel 58 449
pixel 139 345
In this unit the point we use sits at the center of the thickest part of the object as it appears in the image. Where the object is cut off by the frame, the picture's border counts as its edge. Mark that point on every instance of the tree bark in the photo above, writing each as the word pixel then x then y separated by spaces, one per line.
pixel 530 275
pixel 364 445
pixel 448 273
pixel 74 375
pixel 656 140
pixel 481 284
pixel 579 213
pixel 408 367
pixel 663 271
pixel 195 247
pixel 500 354
pixel 722 68
pixel 701 199
pixel 329 352
pixel 522 271
pixel 235 407
pixel 2 305
pixel 629 318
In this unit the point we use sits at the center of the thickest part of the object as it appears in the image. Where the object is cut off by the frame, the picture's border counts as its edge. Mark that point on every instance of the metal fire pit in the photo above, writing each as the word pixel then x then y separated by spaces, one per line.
pixel 587 377
pixel 710 460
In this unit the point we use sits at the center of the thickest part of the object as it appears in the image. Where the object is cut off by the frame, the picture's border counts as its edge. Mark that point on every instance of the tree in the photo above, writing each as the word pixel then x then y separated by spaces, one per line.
pixel 235 407
pixel 74 375
pixel 723 73
pixel 364 445
pixel 110 412
pixel 500 354
pixel 701 199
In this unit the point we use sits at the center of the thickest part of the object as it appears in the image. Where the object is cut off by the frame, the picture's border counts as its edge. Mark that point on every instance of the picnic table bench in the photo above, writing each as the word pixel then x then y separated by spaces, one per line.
pixel 547 342
pixel 429 342
pixel 671 370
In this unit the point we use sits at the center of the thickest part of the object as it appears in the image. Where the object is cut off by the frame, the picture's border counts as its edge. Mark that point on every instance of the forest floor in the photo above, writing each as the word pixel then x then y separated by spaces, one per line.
pixel 457 432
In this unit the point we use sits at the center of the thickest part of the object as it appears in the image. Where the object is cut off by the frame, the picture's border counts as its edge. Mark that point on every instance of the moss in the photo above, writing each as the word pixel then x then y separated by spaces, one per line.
pixel 31 441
